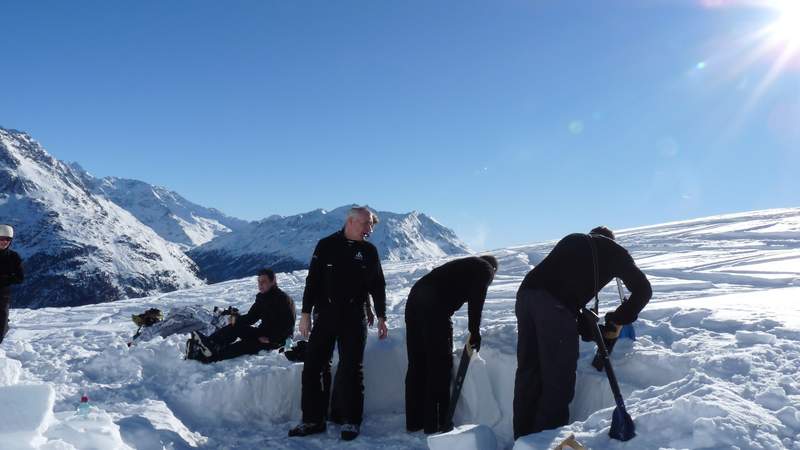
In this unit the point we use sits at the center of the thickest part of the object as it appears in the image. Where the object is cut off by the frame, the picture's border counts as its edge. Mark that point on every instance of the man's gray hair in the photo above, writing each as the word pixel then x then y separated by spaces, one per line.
pixel 356 211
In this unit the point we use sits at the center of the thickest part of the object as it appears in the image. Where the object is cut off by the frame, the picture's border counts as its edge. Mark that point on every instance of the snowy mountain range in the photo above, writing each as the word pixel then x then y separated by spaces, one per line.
pixel 716 362
pixel 78 247
pixel 88 240
pixel 286 243
pixel 171 216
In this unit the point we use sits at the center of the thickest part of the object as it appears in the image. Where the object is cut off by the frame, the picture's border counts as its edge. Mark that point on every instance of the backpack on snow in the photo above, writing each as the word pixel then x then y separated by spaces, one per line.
pixel 147 318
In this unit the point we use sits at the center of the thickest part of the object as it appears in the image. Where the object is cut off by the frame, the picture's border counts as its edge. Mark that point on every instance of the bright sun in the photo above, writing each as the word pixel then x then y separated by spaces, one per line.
pixel 787 27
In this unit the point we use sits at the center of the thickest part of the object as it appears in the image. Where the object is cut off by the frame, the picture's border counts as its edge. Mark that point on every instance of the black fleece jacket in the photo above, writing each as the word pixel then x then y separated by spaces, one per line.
pixel 275 310
pixel 459 281
pixel 344 272
pixel 10 271
pixel 568 274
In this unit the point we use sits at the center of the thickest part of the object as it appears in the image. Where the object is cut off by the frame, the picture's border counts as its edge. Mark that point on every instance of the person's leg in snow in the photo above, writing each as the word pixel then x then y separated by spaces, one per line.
pixel 527 381
pixel 4 307
pixel 415 375
pixel 235 340
pixel 557 334
pixel 547 353
pixel 315 386
pixel 439 372
pixel 244 347
pixel 352 338
pixel 429 341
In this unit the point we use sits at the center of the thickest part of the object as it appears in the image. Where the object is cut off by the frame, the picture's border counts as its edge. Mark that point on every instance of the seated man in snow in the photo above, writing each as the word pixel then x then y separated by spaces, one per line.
pixel 547 309
pixel 272 307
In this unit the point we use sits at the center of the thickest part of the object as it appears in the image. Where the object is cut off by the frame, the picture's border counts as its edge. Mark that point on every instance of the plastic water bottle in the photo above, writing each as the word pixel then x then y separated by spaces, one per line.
pixel 288 344
pixel 83 406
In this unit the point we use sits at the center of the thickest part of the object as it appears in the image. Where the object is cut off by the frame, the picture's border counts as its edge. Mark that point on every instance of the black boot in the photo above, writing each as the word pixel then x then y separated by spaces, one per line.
pixel 204 344
pixel 305 429
pixel 349 431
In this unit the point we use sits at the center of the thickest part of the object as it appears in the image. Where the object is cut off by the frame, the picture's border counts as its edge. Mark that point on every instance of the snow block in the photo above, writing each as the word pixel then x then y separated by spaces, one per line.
pixel 465 437
pixel 152 424
pixel 478 403
pixel 95 430
pixel 26 412
pixel 10 371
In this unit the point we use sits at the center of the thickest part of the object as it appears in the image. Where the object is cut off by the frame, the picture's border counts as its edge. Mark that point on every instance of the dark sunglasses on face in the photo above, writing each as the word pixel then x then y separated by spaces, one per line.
pixel 5 239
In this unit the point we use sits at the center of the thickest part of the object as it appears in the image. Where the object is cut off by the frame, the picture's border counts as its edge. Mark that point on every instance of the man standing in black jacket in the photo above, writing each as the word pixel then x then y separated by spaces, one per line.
pixel 344 270
pixel 431 303
pixel 10 273
pixel 272 307
pixel 548 302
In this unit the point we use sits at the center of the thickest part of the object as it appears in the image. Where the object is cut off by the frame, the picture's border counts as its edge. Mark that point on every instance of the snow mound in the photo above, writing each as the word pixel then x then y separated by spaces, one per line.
pixel 10 370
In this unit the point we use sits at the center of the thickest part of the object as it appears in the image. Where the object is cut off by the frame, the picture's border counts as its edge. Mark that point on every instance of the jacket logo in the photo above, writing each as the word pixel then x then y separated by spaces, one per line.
pixel 359 256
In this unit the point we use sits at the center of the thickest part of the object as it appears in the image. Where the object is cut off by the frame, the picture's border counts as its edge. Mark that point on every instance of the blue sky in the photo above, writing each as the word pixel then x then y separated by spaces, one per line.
pixel 508 121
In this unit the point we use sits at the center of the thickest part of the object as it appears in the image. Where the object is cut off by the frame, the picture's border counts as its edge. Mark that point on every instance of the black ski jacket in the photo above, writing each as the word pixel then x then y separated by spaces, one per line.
pixel 344 272
pixel 459 281
pixel 10 271
pixel 568 274
pixel 275 310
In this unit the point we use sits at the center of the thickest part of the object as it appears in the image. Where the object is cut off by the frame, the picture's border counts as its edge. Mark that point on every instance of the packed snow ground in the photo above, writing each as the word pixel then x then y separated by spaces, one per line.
pixel 716 364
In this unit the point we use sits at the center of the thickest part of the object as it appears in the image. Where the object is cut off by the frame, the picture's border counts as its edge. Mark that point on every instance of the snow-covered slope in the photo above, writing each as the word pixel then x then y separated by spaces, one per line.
pixel 171 216
pixel 716 364
pixel 286 243
pixel 78 247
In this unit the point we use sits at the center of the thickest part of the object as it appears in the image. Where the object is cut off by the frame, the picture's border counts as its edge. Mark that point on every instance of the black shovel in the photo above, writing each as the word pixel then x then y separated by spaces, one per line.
pixel 458 383
pixel 622 427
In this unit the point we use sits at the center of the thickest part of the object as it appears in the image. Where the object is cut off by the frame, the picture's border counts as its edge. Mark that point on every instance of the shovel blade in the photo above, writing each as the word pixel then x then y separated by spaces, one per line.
pixel 622 427
pixel 628 332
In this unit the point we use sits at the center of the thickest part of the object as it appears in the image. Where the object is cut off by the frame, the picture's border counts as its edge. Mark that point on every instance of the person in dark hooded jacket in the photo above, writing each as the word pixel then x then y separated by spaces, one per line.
pixel 10 273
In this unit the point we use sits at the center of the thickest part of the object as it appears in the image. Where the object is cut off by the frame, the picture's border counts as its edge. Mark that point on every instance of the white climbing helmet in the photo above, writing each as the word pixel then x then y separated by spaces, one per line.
pixel 7 231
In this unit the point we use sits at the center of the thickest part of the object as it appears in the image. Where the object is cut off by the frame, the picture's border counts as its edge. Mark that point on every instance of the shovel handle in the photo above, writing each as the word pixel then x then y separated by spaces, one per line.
pixel 603 353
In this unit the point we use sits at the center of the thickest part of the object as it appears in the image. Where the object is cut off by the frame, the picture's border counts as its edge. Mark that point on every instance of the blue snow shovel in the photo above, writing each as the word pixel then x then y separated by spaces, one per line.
pixel 622 427
pixel 627 330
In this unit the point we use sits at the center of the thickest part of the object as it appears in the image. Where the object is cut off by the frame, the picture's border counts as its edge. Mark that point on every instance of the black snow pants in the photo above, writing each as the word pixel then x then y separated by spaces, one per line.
pixel 5 303
pixel 429 343
pixel 248 344
pixel 547 355
pixel 343 326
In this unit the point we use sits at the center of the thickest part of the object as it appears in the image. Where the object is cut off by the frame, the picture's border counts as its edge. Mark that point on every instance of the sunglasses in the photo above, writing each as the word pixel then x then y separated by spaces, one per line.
pixel 5 239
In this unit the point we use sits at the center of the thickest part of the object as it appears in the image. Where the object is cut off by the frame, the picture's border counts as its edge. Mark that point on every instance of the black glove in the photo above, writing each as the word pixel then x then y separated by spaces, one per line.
pixel 585 330
pixel 475 342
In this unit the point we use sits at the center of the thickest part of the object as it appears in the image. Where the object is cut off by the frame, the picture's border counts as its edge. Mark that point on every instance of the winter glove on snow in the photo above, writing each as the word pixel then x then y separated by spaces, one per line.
pixel 475 342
